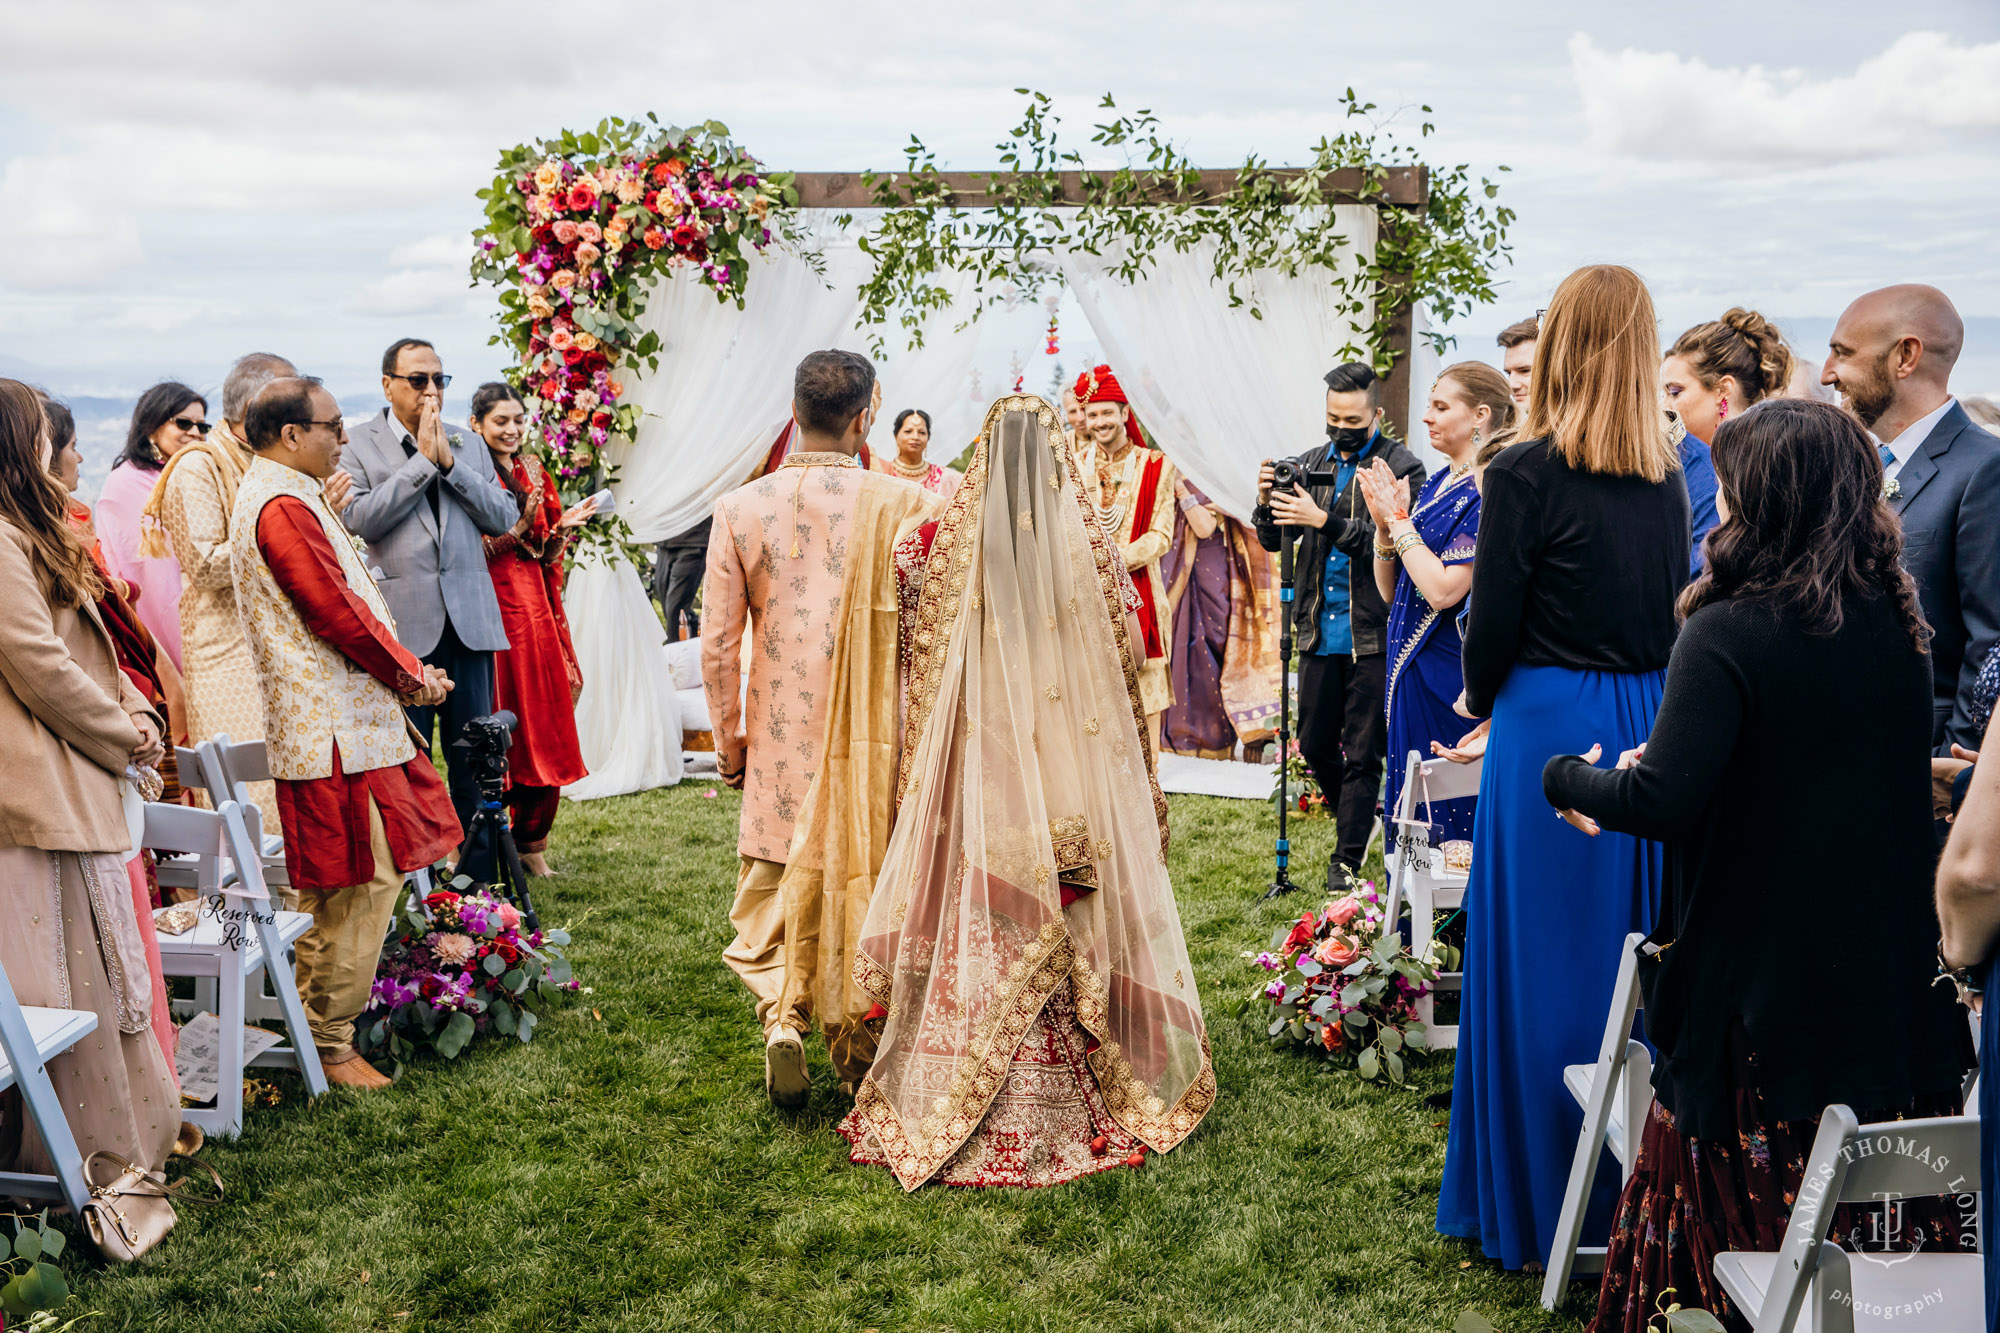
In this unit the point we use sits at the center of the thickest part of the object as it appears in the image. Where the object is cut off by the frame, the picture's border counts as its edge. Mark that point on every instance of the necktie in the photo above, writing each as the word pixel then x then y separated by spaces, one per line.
pixel 1888 456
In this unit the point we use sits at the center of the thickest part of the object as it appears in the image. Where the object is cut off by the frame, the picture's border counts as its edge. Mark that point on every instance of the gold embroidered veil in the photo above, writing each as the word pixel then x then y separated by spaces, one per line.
pixel 1026 772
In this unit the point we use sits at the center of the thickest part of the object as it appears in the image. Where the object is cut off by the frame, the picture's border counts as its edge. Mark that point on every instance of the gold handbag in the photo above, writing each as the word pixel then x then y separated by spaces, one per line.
pixel 133 1212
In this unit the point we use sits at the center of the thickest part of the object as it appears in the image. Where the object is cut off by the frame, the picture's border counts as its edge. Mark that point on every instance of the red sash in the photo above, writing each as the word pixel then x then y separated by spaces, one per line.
pixel 1142 583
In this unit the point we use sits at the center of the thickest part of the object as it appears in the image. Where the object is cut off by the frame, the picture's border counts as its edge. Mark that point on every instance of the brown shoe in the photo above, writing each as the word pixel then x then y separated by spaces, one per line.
pixel 188 1142
pixel 351 1071
pixel 785 1077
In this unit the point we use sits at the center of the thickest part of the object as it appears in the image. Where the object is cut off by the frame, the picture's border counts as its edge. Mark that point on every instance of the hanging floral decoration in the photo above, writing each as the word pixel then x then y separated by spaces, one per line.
pixel 577 230
pixel 1051 304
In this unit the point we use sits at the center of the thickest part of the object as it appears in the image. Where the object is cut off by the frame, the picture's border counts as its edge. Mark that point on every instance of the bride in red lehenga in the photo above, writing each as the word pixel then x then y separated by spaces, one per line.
pixel 1022 947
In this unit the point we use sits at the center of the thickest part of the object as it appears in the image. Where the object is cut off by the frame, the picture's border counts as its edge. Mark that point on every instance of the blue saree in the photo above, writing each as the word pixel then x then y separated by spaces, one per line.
pixel 1424 674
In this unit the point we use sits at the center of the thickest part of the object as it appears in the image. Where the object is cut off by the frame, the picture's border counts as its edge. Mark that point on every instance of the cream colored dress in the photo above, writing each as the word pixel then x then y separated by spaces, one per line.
pixel 223 695
pixel 1119 490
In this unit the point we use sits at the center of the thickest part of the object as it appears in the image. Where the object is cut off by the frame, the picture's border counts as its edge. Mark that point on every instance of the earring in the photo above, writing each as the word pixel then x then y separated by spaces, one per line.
pixel 1475 437
pixel 1722 408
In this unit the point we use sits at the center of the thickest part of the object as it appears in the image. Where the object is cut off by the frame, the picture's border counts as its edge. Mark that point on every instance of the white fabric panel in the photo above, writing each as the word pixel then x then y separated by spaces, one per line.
pixel 933 377
pixel 724 386
pixel 1217 777
pixel 1425 364
pixel 627 720
pixel 1219 388
pixel 713 409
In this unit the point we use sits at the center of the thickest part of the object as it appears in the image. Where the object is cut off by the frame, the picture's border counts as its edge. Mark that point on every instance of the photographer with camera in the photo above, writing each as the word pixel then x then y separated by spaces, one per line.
pixel 1338 613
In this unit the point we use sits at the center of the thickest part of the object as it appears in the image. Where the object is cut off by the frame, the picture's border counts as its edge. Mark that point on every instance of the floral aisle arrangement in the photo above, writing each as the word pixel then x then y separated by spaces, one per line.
pixel 578 227
pixel 1300 786
pixel 1344 988
pixel 458 965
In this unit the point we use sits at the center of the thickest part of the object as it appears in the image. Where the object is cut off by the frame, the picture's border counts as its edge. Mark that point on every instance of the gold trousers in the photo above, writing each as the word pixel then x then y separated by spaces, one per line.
pixel 337 957
pixel 758 956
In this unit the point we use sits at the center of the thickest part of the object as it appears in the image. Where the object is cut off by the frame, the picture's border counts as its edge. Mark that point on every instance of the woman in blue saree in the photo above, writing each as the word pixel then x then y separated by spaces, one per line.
pixel 1423 566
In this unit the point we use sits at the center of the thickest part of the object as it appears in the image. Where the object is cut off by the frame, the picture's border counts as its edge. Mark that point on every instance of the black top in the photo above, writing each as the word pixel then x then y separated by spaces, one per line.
pixel 1573 569
pixel 1788 775
pixel 1349 528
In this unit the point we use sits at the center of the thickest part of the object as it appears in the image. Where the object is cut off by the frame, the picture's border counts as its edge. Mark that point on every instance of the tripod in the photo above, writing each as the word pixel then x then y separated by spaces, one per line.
pixel 488 854
pixel 1281 883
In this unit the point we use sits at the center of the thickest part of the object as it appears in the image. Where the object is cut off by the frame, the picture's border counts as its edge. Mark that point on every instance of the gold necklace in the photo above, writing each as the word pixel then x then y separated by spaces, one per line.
pixel 916 473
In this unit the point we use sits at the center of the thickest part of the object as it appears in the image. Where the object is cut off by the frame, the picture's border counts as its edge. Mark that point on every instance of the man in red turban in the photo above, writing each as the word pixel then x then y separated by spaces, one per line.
pixel 1135 488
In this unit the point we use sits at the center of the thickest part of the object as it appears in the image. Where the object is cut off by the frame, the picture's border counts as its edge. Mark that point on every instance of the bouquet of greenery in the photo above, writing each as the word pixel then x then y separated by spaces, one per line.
pixel 32 1288
pixel 1344 988
pixel 458 965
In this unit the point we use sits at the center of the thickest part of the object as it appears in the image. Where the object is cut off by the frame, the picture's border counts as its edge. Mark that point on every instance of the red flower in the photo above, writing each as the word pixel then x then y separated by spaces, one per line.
pixel 583 196
pixel 573 355
pixel 442 900
pixel 686 233
pixel 652 201
pixel 661 175
pixel 601 420
pixel 655 238
pixel 674 166
pixel 1302 934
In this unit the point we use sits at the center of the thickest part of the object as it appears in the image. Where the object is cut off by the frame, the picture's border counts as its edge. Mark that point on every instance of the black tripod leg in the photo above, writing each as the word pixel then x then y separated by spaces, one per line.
pixel 1281 883
pixel 517 877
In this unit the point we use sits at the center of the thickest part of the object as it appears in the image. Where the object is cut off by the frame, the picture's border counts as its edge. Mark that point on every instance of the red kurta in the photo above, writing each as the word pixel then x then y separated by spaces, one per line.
pixel 537 677
pixel 326 819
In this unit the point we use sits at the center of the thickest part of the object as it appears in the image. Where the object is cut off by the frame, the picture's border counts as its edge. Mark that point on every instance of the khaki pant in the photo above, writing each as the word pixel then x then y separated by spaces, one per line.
pixel 758 953
pixel 337 957
pixel 758 956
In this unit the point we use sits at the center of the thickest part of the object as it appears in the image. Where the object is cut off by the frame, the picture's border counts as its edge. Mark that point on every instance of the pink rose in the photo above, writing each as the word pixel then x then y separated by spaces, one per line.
pixel 587 254
pixel 563 279
pixel 590 231
pixel 1343 911
pixel 1337 951
pixel 565 231
pixel 561 340
pixel 510 917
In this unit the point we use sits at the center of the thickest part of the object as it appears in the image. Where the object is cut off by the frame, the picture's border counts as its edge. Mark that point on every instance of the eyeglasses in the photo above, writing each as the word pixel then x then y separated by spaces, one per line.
pixel 422 380
pixel 189 423
pixel 336 425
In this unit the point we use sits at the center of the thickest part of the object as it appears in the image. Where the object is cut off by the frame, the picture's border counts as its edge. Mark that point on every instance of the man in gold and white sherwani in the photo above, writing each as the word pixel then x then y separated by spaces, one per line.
pixel 778 561
pixel 1135 502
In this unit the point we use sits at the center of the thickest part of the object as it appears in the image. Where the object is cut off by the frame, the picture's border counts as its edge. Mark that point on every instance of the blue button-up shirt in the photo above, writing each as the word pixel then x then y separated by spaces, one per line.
pixel 1336 630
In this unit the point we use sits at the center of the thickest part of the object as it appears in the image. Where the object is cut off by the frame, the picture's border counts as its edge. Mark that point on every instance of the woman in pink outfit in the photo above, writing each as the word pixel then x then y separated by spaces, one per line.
pixel 168 415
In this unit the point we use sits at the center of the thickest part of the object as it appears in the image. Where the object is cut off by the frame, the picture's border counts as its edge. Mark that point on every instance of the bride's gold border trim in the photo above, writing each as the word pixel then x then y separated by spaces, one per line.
pixel 915 1156
pixel 1131 1102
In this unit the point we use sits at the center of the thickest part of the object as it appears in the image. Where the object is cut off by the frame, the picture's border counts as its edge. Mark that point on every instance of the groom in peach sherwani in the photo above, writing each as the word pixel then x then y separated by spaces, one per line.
pixel 779 558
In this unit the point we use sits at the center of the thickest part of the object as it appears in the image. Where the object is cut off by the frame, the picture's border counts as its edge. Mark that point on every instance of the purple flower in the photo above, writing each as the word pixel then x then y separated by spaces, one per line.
pixel 1269 962
pixel 1275 991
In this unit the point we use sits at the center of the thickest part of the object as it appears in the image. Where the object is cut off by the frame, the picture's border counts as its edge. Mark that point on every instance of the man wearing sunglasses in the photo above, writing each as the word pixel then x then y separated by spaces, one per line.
pixel 422 502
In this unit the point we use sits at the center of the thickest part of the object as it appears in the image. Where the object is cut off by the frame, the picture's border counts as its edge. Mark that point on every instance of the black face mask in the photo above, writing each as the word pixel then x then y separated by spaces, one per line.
pixel 1348 439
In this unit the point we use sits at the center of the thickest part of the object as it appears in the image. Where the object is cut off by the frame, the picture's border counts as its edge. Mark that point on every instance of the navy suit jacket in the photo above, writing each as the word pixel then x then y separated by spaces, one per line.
pixel 1949 500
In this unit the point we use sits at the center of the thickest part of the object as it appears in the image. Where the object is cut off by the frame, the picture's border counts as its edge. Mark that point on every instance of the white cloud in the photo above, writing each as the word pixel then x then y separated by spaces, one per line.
pixel 418 291
pixel 61 235
pixel 1659 105
pixel 434 251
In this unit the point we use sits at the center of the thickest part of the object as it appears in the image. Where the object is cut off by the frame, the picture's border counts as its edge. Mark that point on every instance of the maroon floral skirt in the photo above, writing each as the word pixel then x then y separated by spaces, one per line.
pixel 1691 1199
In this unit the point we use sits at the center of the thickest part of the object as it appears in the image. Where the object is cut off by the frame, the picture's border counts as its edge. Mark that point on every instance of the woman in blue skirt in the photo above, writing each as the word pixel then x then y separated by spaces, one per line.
pixel 1583 547
pixel 1423 568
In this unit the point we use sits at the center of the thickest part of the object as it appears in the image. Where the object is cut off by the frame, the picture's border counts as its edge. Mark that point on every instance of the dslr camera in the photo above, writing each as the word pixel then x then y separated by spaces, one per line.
pixel 484 742
pixel 1286 474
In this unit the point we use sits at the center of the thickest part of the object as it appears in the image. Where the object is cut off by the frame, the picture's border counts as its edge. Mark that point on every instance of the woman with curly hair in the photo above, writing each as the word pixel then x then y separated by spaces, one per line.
pixel 1805 613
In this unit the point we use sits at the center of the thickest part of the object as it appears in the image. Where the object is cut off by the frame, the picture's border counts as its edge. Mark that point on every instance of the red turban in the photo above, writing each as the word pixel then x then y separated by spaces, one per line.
pixel 1099 385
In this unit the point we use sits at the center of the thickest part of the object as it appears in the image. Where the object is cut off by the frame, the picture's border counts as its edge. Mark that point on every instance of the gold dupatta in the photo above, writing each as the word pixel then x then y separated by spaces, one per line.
pixel 842 831
pixel 229 457
pixel 1026 769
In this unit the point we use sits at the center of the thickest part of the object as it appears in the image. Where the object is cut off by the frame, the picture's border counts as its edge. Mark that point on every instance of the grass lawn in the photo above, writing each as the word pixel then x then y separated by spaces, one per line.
pixel 627 1173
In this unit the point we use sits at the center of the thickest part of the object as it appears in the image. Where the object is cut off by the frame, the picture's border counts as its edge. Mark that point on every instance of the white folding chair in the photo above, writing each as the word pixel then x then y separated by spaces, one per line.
pixel 29 1039
pixel 1417 873
pixel 1867 1164
pixel 236 953
pixel 228 768
pixel 1616 1094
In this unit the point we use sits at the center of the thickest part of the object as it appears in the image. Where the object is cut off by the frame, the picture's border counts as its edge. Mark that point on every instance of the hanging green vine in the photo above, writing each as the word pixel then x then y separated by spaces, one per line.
pixel 1442 253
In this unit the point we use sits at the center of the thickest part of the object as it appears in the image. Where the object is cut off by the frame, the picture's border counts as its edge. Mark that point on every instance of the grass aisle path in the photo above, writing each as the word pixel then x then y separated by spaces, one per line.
pixel 627 1174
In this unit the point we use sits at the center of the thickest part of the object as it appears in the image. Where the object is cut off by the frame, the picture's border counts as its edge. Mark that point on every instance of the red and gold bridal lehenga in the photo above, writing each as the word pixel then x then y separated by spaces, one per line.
pixel 1022 947
pixel 537 678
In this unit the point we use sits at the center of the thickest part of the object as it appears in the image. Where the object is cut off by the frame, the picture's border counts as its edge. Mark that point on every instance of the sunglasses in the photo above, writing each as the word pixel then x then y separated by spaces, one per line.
pixel 189 423
pixel 422 380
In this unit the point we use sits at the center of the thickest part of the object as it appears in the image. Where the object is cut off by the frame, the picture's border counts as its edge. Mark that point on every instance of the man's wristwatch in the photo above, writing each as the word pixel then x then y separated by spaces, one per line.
pixel 1967 981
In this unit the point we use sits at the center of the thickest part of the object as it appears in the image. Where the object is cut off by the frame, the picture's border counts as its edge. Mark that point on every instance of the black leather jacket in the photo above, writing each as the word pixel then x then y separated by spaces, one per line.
pixel 1350 528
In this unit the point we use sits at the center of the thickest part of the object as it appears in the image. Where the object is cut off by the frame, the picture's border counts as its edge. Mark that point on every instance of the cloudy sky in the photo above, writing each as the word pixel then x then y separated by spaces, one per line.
pixel 180 183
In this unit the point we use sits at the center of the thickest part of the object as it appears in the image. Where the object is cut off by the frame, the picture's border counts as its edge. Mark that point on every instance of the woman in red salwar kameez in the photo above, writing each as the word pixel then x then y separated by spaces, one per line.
pixel 537 677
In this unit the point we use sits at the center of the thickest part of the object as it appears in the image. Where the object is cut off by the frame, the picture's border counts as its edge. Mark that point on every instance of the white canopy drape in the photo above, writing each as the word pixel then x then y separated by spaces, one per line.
pixel 1220 388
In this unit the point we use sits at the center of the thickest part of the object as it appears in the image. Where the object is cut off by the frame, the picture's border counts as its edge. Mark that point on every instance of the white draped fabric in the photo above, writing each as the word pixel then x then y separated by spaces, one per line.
pixel 1220 388
pixel 712 410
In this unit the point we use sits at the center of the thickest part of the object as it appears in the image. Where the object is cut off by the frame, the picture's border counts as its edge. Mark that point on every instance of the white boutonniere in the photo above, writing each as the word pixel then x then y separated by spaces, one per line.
pixel 1891 488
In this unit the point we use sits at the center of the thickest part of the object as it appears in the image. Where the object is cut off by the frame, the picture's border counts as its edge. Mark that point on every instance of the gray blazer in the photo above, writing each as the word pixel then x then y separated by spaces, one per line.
pixel 433 566
pixel 1949 500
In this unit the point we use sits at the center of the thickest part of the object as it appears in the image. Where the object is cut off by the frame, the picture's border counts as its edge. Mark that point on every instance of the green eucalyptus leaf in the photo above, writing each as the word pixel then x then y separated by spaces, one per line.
pixel 1694 1321
pixel 27 1244
pixel 52 1240
pixel 493 964
pixel 455 1036
pixel 54 1289
pixel 1369 1065
pixel 527 1028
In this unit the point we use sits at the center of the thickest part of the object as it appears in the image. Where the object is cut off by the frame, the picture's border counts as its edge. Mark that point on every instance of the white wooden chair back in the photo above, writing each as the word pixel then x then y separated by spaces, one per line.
pixel 228 769
pixel 1865 1164
pixel 256 949
pixel 1616 1095
pixel 29 1039
pixel 1417 875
